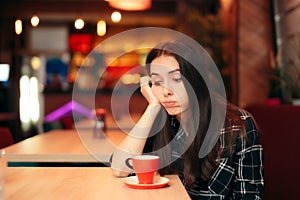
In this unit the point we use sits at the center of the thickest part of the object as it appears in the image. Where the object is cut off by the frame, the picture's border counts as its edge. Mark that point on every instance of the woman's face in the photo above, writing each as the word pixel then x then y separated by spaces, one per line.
pixel 167 85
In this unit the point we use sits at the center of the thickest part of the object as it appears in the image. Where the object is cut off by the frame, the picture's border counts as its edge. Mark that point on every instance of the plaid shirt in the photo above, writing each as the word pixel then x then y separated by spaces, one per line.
pixel 241 178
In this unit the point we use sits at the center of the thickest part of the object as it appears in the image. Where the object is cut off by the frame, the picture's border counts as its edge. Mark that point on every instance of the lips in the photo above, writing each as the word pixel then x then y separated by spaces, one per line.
pixel 169 104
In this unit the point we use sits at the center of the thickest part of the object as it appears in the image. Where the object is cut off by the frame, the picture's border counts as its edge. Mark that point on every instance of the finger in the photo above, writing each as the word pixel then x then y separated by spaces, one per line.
pixel 144 80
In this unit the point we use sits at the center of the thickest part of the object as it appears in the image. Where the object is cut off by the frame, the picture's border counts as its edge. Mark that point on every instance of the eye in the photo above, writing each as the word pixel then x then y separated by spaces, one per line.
pixel 177 80
pixel 156 80
pixel 156 83
pixel 176 77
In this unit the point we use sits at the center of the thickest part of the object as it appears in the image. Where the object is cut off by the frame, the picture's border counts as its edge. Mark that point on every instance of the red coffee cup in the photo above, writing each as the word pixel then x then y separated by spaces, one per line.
pixel 145 167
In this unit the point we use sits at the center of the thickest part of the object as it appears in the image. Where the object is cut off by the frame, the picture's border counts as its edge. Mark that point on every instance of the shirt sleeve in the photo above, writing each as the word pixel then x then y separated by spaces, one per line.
pixel 248 181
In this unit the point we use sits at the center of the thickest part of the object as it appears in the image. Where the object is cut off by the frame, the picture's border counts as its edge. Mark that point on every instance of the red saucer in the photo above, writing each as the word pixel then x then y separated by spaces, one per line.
pixel 132 182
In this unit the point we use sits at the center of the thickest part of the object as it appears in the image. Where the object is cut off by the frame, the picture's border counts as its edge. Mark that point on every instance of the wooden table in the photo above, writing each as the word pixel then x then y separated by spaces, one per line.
pixel 66 146
pixel 81 183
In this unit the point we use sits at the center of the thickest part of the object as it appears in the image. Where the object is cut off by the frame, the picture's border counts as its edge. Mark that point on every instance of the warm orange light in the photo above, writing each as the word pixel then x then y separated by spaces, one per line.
pixel 101 28
pixel 130 5
pixel 226 4
pixel 35 20
pixel 79 23
pixel 116 16
pixel 36 63
pixel 18 26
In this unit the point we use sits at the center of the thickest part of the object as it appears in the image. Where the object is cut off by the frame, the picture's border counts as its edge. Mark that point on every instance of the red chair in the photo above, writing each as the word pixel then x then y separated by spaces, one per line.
pixel 280 136
pixel 5 137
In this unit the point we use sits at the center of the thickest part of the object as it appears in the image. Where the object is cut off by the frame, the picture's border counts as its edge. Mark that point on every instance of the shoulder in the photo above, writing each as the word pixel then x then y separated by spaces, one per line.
pixel 240 128
pixel 247 120
pixel 248 123
pixel 250 136
pixel 243 119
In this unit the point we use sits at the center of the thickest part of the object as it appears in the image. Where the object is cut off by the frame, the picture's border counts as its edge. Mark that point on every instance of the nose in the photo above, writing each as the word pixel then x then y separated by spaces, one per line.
pixel 167 91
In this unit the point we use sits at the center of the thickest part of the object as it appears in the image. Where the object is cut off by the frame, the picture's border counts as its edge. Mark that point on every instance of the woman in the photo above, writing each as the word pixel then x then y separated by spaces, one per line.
pixel 180 123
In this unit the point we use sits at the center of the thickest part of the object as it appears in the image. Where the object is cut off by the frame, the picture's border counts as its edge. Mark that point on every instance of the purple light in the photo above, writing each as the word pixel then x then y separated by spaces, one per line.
pixel 67 109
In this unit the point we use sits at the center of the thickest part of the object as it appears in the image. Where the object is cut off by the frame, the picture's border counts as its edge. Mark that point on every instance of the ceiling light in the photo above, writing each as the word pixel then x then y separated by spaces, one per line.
pixel 116 16
pixel 35 20
pixel 18 26
pixel 130 5
pixel 101 28
pixel 79 23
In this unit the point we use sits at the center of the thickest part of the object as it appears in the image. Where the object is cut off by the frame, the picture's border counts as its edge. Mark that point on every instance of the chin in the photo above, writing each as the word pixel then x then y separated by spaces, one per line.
pixel 173 111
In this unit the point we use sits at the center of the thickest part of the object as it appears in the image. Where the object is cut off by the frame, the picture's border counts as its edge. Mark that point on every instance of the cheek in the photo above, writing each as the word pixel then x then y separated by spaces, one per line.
pixel 157 91
pixel 182 96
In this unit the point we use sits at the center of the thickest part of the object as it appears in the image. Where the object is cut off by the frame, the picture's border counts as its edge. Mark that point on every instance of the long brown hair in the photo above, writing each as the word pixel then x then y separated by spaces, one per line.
pixel 193 167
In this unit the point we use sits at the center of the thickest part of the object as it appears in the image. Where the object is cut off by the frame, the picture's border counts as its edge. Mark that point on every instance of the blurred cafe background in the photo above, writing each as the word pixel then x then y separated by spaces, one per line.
pixel 43 44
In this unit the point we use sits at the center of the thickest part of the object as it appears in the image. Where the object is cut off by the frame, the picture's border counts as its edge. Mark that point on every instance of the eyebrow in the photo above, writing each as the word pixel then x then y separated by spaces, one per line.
pixel 156 74
pixel 170 72
pixel 175 70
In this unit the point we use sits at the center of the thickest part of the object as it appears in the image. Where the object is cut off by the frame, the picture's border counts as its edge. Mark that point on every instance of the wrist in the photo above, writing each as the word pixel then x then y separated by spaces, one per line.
pixel 153 108
pixel 152 111
pixel 149 115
